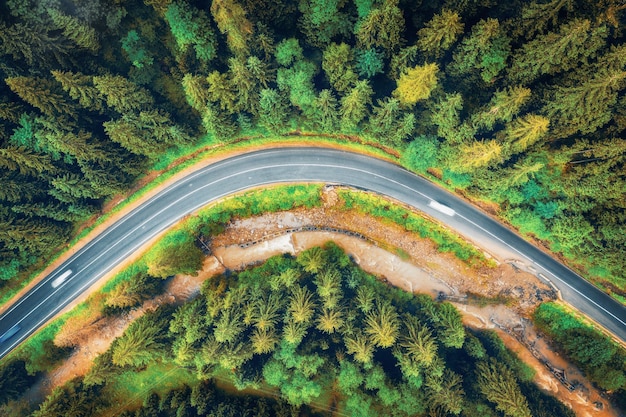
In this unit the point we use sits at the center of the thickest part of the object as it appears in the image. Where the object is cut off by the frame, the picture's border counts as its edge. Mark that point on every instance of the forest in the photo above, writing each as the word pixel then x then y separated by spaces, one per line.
pixel 314 334
pixel 517 103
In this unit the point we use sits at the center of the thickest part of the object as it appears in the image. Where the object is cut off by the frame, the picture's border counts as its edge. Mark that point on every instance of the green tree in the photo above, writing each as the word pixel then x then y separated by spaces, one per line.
pixel 440 33
pixel 355 105
pixel 196 90
pixel 40 93
pixel 140 345
pixel 232 21
pixel 175 253
pixel 485 51
pixel 586 106
pixel 80 87
pixel 416 84
pixel 445 392
pixel 525 131
pixel 301 304
pixel 191 28
pixel 122 94
pixel 263 340
pixel 361 347
pixel 536 17
pixel 369 62
pixel 220 91
pixel 325 111
pixel 497 383
pixel 136 50
pixel 502 107
pixel 381 28
pixel 338 64
pixel 330 320
pixel 418 342
pixel 576 42
pixel 272 111
pixel 382 324
pixel 323 20
pixel 79 32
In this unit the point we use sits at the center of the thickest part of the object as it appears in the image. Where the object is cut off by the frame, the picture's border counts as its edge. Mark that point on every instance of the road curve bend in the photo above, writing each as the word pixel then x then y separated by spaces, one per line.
pixel 298 164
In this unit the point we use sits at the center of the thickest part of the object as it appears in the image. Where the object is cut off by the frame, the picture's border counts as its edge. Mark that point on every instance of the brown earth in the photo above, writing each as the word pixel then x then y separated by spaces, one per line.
pixel 391 253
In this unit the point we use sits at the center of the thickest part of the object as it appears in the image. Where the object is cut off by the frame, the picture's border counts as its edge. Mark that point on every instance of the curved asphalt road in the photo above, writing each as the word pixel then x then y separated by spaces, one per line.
pixel 289 165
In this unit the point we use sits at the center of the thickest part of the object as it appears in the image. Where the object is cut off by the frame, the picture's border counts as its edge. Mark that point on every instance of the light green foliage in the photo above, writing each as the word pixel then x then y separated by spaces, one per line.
pixel 323 20
pixel 134 47
pixel 440 33
pixel 288 51
pixel 298 81
pixel 369 62
pixel 416 84
pixel 389 124
pixel 525 131
pixel 191 28
pixel 175 253
pixel 325 111
pixel 383 325
pixel 337 63
pixel 272 111
pixel 141 343
pixel 485 51
pixel 504 105
pixel 355 105
pixel 381 28
pixel 421 153
pixel 498 385
pixel 80 87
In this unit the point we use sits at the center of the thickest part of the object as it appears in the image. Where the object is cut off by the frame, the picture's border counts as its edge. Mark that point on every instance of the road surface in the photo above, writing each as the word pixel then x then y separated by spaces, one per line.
pixel 270 166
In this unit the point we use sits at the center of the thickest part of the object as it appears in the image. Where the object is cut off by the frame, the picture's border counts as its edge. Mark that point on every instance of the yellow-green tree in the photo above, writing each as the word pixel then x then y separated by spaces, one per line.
pixel 440 33
pixel 232 21
pixel 525 131
pixel 416 84
pixel 79 32
pixel 497 383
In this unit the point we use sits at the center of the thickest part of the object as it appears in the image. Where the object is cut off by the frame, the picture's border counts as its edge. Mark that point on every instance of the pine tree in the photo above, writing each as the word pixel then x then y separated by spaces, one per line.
pixel 418 342
pixel 122 94
pixel 355 105
pixel 80 32
pixel 485 50
pixel 140 344
pixel 536 17
pixel 360 347
pixel 381 28
pixel 504 105
pixel 40 93
pixel 416 84
pixel 196 90
pixel 337 63
pixel 525 131
pixel 220 91
pixel 272 111
pixel 587 106
pixel 440 33
pixel 330 320
pixel 301 305
pixel 80 87
pixel 576 42
pixel 497 383
pixel 191 27
pixel 382 324
pixel 232 21
pixel 325 111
